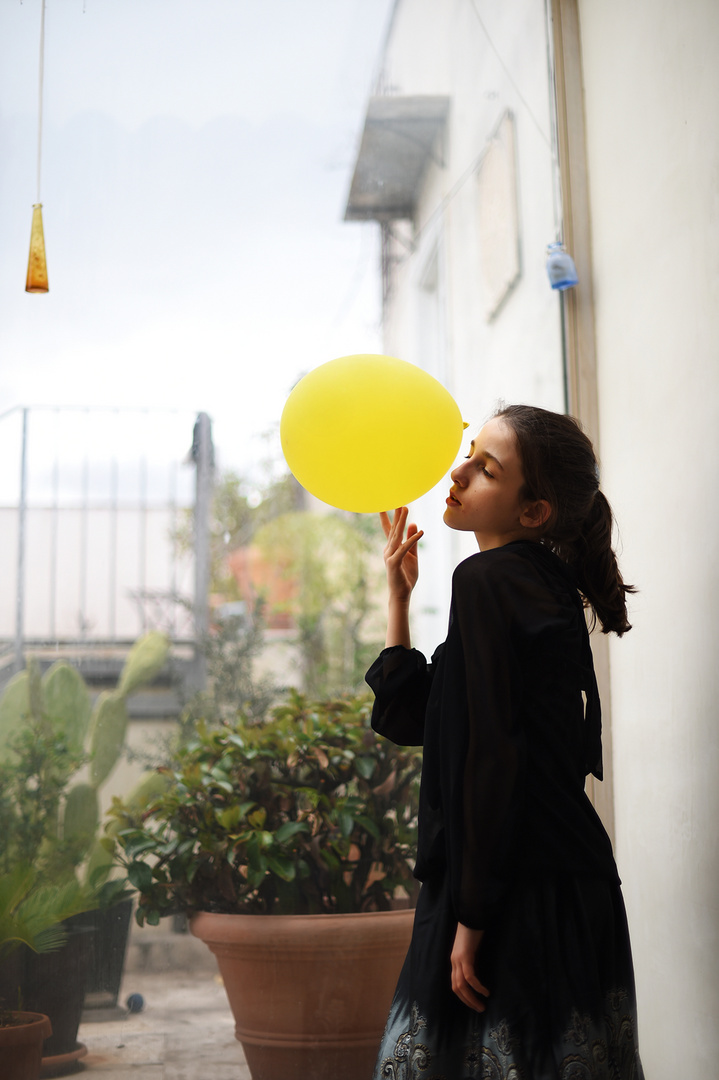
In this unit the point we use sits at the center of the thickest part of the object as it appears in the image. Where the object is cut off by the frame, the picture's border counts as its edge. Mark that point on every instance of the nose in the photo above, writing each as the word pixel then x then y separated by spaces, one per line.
pixel 457 475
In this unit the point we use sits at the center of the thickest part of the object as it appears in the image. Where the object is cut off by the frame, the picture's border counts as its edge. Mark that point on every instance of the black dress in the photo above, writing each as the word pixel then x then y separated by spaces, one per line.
pixel 509 843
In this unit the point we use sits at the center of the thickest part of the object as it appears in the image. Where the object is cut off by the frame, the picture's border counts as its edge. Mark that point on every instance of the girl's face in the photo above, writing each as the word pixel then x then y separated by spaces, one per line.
pixel 485 493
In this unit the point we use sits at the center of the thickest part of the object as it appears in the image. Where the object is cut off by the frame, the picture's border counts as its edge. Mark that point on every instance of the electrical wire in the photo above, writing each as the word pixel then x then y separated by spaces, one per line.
pixel 511 78
pixel 40 97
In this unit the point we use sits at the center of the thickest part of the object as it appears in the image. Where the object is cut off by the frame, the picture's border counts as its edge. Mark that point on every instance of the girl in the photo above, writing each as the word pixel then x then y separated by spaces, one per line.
pixel 519 966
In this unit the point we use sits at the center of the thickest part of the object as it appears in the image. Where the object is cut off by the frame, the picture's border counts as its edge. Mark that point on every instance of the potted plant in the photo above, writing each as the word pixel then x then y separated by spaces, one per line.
pixel 287 843
pixel 31 915
pixel 56 752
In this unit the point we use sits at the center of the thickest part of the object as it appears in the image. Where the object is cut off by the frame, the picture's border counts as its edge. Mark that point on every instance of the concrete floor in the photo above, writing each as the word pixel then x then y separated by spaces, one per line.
pixel 184 1032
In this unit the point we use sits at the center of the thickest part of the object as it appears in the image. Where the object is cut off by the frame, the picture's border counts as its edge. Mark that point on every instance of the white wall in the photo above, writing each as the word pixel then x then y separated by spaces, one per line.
pixel 651 71
pixel 436 314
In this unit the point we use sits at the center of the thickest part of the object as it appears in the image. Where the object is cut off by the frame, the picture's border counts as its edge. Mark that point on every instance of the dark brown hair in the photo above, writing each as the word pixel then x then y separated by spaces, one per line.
pixel 559 465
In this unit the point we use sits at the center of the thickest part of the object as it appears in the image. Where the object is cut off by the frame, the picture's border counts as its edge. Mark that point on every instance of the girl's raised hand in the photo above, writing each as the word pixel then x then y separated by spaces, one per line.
pixel 400 553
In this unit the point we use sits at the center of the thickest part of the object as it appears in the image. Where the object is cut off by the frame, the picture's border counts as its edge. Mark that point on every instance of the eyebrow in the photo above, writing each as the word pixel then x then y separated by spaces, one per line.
pixel 486 453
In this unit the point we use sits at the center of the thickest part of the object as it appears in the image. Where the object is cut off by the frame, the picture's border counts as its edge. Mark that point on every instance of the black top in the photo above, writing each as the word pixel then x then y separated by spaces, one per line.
pixel 507 738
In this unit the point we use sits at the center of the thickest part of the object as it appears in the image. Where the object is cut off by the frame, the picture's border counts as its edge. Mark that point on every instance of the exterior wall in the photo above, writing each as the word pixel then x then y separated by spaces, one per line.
pixel 436 314
pixel 651 91
pixel 651 87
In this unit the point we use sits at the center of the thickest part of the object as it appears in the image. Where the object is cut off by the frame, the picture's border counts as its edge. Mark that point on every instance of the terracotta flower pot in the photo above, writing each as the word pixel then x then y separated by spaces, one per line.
pixel 21 1046
pixel 310 994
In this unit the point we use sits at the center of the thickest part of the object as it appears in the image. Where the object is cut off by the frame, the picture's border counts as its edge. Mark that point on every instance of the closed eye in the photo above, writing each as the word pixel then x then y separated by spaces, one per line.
pixel 483 468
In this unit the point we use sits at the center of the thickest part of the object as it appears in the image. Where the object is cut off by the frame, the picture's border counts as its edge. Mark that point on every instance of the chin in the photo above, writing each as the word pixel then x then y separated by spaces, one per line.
pixel 449 520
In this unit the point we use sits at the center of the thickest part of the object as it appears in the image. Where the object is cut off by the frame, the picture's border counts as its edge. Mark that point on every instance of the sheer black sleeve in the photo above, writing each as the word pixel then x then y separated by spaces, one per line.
pixel 401 680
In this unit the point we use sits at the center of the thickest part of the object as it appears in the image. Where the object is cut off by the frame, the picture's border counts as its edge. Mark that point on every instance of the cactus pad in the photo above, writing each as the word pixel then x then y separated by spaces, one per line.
pixel 144 661
pixel 107 735
pixel 80 820
pixel 151 785
pixel 14 711
pixel 67 703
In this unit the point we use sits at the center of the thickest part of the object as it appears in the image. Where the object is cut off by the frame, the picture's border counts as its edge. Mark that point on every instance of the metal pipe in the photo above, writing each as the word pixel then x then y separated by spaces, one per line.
pixel 202 454
pixel 53 533
pixel 20 593
pixel 84 511
pixel 142 545
pixel 112 562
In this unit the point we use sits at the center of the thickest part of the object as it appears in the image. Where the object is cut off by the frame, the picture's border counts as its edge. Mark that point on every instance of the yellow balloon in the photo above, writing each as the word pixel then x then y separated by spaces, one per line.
pixel 369 432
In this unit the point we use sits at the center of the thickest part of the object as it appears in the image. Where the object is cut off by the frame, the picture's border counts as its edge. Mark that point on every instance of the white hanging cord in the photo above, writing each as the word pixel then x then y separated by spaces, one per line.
pixel 551 79
pixel 509 75
pixel 39 112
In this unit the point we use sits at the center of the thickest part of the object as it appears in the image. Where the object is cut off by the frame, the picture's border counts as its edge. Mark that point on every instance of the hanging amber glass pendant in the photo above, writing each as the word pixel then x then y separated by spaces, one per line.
pixel 36 264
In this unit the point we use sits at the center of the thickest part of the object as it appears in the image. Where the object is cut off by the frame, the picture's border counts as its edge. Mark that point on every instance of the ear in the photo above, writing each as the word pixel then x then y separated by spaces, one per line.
pixel 535 514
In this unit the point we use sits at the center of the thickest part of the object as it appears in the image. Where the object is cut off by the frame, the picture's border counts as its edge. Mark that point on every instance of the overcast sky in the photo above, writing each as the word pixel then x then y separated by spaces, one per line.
pixel 196 160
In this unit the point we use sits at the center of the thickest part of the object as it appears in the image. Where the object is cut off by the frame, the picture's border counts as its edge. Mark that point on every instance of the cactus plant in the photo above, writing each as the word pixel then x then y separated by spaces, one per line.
pixel 49 723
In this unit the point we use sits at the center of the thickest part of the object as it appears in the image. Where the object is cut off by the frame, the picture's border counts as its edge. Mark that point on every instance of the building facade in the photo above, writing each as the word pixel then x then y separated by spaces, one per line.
pixel 494 130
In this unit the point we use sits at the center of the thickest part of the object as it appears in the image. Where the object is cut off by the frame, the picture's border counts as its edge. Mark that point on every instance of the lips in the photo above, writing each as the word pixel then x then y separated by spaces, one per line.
pixel 452 500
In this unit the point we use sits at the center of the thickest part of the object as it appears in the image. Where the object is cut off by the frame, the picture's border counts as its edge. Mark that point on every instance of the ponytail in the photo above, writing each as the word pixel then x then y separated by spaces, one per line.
pixel 598 575
pixel 560 466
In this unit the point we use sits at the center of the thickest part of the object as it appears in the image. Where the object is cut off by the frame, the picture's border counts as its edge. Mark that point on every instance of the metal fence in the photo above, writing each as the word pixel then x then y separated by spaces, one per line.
pixel 92 502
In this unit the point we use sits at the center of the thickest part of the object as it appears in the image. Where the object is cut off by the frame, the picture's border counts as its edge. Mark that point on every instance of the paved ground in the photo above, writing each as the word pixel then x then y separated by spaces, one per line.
pixel 185 1032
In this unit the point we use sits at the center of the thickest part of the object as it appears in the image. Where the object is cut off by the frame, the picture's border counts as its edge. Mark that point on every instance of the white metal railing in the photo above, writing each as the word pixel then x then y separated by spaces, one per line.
pixel 90 501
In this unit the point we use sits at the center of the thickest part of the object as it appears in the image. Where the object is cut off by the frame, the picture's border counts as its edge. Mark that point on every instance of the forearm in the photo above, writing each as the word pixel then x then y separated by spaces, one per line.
pixel 400 558
pixel 398 623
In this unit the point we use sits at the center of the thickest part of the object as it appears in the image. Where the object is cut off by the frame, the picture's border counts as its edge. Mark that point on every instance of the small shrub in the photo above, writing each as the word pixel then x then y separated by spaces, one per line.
pixel 309 812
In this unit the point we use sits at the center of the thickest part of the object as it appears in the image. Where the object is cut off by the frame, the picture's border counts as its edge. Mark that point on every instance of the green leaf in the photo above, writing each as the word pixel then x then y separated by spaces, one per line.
pixel 253 852
pixel 282 866
pixel 330 859
pixel 140 876
pixel 223 785
pixel 290 829
pixel 369 826
pixel 312 795
pixel 258 818
pixel 365 767
pixel 255 877
pixel 346 822
pixel 134 846
pixel 230 818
